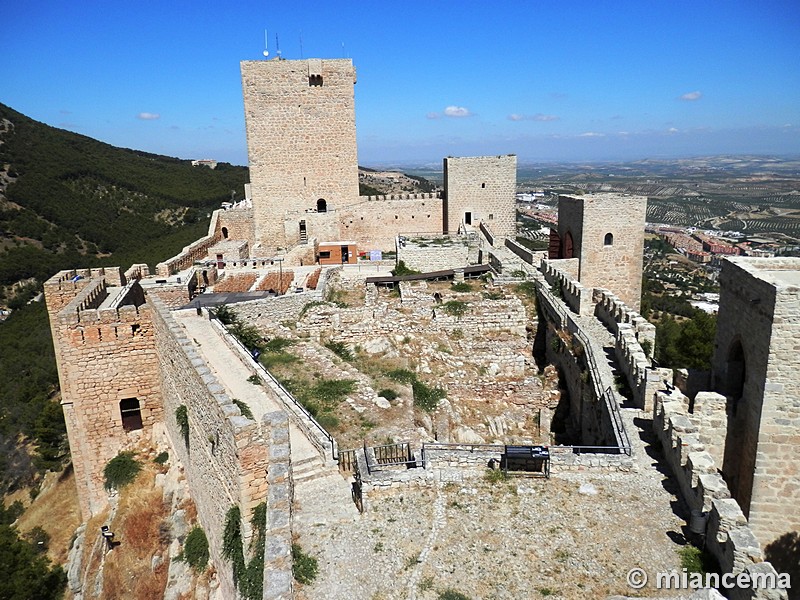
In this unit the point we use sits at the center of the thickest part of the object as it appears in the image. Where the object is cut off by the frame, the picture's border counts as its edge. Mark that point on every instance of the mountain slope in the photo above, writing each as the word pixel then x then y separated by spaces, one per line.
pixel 67 200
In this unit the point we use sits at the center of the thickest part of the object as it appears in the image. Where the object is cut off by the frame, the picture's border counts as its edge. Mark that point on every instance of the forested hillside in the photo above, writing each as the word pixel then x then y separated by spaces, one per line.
pixel 68 201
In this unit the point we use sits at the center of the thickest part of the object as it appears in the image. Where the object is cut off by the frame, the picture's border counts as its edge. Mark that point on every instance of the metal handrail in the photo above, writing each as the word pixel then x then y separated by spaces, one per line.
pixel 607 395
pixel 263 371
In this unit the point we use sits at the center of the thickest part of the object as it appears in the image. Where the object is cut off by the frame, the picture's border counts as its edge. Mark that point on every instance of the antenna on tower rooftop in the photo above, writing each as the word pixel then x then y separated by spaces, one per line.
pixel 277 48
pixel 266 45
pixel 301 44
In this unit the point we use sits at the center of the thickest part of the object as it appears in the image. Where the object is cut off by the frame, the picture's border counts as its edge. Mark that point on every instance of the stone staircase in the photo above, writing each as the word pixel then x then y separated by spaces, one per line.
pixel 322 495
pixel 307 469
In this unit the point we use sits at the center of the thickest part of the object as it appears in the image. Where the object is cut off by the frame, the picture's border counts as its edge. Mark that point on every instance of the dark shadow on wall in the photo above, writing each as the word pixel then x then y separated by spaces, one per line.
pixel 784 554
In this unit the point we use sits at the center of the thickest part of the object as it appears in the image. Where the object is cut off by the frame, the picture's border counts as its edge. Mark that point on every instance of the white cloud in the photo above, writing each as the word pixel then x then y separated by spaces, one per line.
pixel 692 96
pixel 457 111
pixel 672 130
pixel 433 115
pixel 592 134
pixel 146 116
pixel 537 117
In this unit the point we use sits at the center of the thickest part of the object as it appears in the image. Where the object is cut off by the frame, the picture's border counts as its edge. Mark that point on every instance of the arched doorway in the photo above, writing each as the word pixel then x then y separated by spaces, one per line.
pixel 568 250
pixel 322 205
pixel 225 233
pixel 736 372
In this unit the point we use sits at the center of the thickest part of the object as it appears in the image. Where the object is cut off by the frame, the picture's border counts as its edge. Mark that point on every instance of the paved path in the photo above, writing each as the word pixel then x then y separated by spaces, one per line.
pixel 232 374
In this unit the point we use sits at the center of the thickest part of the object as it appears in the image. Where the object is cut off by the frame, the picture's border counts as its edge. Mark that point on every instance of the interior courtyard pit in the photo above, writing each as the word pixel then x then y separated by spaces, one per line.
pixel 356 354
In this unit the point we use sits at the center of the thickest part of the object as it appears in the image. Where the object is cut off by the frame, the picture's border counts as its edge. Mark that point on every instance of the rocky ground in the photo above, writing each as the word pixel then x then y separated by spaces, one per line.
pixel 575 535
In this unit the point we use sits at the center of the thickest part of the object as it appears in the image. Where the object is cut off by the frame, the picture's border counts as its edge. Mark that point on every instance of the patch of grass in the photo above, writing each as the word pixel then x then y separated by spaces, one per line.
pixel 426 584
pixel 547 592
pixel 195 550
pixel 412 561
pixel 340 349
pixel 493 295
pixel 304 567
pixel 519 273
pixel 427 397
pixel 496 475
pixel 254 379
pixel 695 560
pixel 278 344
pixel 270 360
pixel 461 286
pixel 121 470
pixel 162 458
pixel 402 376
pixel 455 308
pixel 389 394
pixel 526 288
pixel 308 306
pixel 243 408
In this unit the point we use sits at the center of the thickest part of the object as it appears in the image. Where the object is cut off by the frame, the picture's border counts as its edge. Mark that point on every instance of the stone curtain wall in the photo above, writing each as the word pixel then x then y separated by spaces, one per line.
pixel 760 312
pixel 104 355
pixel 485 186
pixel 227 455
pixel 618 265
pixel 435 257
pixel 728 536
pixel 301 139
pixel 196 251
pixel 374 224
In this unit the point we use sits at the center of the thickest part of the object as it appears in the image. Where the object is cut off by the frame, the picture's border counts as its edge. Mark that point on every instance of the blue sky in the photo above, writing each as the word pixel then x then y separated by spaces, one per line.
pixel 546 80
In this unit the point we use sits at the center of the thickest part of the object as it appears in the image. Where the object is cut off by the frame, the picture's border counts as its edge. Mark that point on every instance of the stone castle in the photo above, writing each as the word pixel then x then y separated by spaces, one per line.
pixel 128 368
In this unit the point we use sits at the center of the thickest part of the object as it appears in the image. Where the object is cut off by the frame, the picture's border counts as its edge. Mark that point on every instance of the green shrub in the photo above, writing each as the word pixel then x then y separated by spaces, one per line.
pixel 402 376
pixel 493 295
pixel 327 420
pixel 401 269
pixel 273 359
pixel 426 397
pixel 243 408
pixel 248 577
pixel 162 458
pixel 182 418
pixel 388 393
pixel 450 594
pixel 456 308
pixel 195 549
pixel 304 567
pixel 225 315
pixel 121 470
pixel 340 349
pixel 519 273
pixel 461 286
pixel 647 347
pixel 496 475
pixel 254 379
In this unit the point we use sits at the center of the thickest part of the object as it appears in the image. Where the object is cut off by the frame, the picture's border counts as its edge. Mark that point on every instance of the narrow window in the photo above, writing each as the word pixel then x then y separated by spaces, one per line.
pixel 491 216
pixel 483 185
pixel 131 414
pixel 225 232
pixel 609 239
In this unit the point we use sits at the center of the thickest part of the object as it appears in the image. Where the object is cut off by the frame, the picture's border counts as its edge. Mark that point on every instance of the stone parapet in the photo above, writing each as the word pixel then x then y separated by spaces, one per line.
pixel 727 533
pixel 577 297
pixel 196 251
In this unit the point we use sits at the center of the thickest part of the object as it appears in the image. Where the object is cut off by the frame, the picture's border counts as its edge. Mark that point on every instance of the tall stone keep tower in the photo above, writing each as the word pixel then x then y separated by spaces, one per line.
pixel 107 368
pixel 606 232
pixel 481 189
pixel 755 365
pixel 301 141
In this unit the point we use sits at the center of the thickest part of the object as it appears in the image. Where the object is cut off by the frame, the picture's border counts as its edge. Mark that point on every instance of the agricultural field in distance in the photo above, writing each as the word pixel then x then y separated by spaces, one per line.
pixel 754 196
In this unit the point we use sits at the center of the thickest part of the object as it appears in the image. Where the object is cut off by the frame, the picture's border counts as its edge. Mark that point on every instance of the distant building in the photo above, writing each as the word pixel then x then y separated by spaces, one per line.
pixel 205 162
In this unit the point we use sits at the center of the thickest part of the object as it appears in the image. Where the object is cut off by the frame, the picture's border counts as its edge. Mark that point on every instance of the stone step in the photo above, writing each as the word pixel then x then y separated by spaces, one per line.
pixel 325 499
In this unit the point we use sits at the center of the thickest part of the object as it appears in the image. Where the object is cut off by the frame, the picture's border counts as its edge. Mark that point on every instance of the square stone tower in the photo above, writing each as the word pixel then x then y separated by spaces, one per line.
pixel 755 365
pixel 606 232
pixel 107 368
pixel 481 189
pixel 301 142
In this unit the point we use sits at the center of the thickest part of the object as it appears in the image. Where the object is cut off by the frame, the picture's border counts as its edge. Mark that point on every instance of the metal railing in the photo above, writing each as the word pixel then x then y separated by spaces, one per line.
pixel 389 455
pixel 607 396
